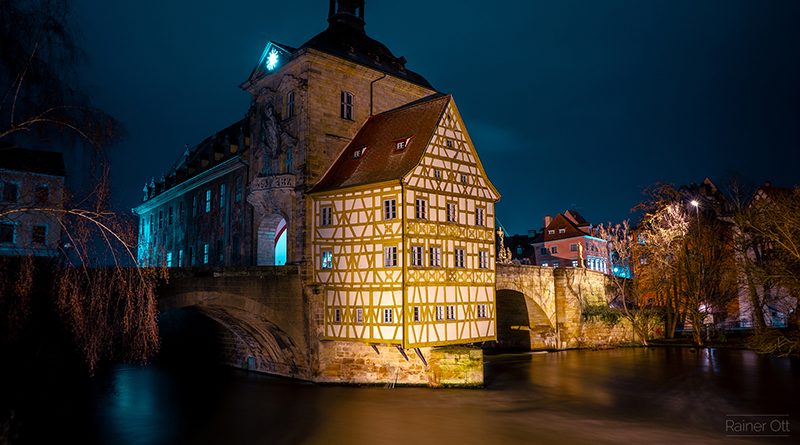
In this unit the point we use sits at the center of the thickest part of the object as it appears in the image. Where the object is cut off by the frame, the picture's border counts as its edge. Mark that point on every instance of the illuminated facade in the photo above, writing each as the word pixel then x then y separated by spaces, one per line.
pixel 568 240
pixel 403 232
pixel 422 276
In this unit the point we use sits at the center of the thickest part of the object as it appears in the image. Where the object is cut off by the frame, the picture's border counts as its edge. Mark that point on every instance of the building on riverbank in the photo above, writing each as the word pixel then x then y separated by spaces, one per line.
pixel 31 189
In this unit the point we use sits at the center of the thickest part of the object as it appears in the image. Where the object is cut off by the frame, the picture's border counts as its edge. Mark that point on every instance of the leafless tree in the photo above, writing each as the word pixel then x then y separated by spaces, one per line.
pixel 104 298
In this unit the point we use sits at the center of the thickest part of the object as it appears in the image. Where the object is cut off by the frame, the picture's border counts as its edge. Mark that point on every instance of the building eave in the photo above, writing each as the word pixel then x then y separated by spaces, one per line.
pixel 190 184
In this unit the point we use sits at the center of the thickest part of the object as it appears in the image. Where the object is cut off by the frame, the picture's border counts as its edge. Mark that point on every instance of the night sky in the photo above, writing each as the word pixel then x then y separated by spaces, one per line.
pixel 571 104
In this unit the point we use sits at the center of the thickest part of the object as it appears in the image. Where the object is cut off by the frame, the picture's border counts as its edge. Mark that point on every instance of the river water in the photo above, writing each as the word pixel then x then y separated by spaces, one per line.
pixel 655 395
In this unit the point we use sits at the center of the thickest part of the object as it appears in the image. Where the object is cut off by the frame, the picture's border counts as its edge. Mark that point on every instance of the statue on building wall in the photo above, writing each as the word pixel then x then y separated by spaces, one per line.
pixel 503 252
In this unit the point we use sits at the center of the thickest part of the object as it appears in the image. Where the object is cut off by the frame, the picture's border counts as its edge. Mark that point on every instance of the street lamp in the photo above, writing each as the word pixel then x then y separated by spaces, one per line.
pixel 696 209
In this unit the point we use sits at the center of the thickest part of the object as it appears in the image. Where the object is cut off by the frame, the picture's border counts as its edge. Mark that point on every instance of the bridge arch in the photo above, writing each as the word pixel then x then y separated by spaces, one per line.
pixel 257 341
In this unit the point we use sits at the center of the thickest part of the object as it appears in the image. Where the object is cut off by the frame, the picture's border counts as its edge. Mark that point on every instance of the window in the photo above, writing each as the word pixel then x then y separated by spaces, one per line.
pixel 194 206
pixel 170 216
pixel 289 104
pixel 337 315
pixel 562 230
pixel 437 173
pixel 440 312
pixel 401 144
pixel 481 311
pixel 545 265
pixel 359 315
pixel 180 258
pixel 416 256
pixel 483 259
pixel 359 152
pixel 346 109
pixel 238 191
pixel 463 179
pixel 169 259
pixel 551 232
pixel 327 259
pixel 420 209
pixel 573 247
pixel 416 313
pixel 42 194
pixel 388 316
pixel 39 235
pixel 222 195
pixel 452 212
pixel 7 233
pixel 459 258
pixel 479 216
pixel 574 263
pixel 555 264
pixel 554 250
pixel 10 191
pixel 436 256
pixel 327 216
pixel 390 256
pixel 449 143
pixel 205 253
pixel 208 200
pixel 389 209
pixel 451 312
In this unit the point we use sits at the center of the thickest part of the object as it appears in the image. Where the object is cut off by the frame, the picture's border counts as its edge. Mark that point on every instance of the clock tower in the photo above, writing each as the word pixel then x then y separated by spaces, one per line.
pixel 308 102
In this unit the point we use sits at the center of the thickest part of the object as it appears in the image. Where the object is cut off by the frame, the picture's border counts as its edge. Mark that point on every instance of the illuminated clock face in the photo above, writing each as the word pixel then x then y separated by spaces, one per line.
pixel 272 60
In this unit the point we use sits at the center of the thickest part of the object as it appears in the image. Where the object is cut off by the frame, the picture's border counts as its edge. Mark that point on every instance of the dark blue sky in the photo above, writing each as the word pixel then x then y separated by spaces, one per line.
pixel 571 104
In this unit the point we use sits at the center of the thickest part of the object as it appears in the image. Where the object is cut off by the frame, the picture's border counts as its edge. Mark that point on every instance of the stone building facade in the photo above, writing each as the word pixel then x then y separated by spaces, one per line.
pixel 30 179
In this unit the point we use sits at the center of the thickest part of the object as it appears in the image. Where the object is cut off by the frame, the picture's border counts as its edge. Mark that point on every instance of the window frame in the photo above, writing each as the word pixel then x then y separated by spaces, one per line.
pixel 459 257
pixel 326 259
pixel 290 104
pixel 326 216
pixel 420 208
pixel 417 256
pixel 347 104
pixel 435 256
pixel 389 209
pixel 389 256
pixel 452 216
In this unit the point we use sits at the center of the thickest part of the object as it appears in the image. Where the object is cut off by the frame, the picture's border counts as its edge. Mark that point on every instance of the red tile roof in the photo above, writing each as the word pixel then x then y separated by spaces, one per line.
pixel 381 161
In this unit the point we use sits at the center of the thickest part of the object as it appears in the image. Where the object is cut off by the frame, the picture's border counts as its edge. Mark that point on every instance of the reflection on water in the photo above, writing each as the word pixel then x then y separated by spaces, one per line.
pixel 626 395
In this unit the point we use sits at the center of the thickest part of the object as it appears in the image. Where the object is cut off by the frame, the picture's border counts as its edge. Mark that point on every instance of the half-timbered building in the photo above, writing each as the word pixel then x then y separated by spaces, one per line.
pixel 402 232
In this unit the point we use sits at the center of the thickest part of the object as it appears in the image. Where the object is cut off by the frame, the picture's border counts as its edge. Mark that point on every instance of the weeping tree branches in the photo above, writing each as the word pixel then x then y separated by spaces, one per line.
pixel 100 294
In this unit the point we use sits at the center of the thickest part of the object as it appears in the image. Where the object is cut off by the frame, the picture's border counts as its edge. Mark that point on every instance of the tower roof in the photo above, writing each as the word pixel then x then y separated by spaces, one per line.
pixel 379 160
pixel 345 38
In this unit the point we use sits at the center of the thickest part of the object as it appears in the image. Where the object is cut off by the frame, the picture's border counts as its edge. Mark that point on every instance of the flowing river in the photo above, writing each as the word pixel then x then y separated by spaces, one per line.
pixel 655 395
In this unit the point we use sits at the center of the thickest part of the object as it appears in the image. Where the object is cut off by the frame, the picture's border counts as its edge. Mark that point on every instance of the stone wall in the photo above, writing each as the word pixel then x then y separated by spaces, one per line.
pixel 361 363
pixel 545 308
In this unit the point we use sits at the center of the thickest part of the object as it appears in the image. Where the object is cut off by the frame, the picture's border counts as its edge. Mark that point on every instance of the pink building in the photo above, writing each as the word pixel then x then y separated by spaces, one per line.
pixel 568 240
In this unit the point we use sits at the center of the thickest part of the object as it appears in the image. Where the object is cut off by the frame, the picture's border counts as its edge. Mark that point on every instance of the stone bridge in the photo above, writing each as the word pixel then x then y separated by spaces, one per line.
pixel 542 307
pixel 268 321
pixel 261 310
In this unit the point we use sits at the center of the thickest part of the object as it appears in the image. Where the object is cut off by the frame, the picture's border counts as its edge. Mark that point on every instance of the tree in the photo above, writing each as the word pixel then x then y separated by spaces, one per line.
pixel 106 301
pixel 621 244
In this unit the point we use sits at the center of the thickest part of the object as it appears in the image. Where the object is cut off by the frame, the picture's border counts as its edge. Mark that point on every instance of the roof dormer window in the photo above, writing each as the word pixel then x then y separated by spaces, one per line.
pixel 401 144
pixel 562 230
pixel 359 152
